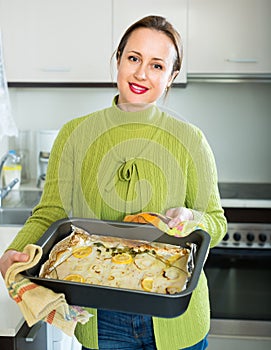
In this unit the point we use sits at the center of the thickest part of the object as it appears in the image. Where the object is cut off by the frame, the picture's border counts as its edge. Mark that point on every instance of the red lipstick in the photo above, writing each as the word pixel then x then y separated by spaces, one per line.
pixel 137 89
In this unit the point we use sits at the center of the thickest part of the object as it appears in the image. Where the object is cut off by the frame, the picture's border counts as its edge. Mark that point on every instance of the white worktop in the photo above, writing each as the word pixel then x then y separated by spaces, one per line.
pixel 245 203
pixel 11 318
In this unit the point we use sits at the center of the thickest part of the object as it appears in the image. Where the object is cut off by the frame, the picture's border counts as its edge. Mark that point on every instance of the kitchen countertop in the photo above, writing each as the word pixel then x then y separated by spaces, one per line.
pixel 11 318
pixel 245 203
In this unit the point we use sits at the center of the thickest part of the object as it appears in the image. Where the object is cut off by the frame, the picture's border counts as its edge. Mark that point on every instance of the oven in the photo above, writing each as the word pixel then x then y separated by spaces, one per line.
pixel 239 273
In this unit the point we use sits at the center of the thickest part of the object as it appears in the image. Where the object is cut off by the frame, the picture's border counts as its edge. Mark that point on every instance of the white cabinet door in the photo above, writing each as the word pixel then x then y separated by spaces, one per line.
pixel 126 12
pixel 56 41
pixel 229 36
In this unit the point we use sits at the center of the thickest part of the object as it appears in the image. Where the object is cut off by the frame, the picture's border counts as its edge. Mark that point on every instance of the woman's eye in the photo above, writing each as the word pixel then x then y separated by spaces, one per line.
pixel 133 58
pixel 157 66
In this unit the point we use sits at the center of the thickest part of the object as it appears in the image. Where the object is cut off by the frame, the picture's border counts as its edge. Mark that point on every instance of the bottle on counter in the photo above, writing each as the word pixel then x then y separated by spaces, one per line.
pixel 12 169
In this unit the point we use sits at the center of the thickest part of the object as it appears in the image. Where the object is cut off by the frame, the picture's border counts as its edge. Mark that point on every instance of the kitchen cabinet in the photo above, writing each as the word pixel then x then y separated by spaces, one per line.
pixel 56 41
pixel 14 332
pixel 126 12
pixel 229 37
pixel 27 338
pixel 73 41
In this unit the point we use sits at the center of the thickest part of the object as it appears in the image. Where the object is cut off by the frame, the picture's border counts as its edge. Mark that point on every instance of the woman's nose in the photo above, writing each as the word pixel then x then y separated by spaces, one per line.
pixel 140 72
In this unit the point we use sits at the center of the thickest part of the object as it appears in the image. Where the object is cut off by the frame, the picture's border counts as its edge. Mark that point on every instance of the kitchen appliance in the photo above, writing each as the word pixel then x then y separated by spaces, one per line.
pixel 238 269
pixel 45 140
pixel 23 145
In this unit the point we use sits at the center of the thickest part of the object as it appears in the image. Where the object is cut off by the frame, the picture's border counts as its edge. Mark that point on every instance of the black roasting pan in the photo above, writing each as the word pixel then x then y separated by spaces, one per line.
pixel 118 299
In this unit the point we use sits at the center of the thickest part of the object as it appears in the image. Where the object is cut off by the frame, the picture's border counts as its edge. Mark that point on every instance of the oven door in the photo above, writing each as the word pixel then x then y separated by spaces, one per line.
pixel 240 284
pixel 240 289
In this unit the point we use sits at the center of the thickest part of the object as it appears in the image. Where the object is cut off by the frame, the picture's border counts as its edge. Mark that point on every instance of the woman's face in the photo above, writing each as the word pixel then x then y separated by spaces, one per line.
pixel 145 67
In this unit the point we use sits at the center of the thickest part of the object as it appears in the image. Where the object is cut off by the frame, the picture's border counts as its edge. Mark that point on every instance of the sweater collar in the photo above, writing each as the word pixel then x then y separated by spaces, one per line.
pixel 151 115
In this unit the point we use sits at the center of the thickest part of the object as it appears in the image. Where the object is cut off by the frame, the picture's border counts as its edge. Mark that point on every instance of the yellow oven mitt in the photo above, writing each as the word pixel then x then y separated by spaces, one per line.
pixel 160 221
pixel 39 303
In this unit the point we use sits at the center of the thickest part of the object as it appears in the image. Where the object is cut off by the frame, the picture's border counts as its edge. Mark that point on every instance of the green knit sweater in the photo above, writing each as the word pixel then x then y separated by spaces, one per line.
pixel 112 163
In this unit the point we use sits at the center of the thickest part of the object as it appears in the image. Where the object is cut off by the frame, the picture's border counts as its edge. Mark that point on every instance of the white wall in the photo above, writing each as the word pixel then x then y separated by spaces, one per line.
pixel 235 117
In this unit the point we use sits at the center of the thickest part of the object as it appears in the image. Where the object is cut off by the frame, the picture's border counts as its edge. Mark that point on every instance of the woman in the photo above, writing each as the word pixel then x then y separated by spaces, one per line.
pixel 129 158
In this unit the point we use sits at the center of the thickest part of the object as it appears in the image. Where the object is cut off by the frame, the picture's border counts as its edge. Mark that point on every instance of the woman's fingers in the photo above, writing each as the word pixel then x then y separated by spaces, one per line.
pixel 9 258
pixel 178 215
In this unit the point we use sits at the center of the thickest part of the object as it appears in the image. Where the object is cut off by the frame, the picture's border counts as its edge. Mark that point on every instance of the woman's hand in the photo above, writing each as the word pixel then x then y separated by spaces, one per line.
pixel 177 215
pixel 10 257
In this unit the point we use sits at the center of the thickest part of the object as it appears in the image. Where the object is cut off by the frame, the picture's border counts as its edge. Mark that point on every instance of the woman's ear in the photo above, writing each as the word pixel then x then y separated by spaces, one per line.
pixel 118 59
pixel 172 77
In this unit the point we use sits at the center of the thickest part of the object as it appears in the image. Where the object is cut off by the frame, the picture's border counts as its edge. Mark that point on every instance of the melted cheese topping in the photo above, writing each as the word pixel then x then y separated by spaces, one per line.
pixel 116 262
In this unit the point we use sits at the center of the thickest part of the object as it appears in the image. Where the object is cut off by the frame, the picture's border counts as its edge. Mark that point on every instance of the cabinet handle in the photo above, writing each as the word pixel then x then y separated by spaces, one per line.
pixel 33 332
pixel 242 60
pixel 56 69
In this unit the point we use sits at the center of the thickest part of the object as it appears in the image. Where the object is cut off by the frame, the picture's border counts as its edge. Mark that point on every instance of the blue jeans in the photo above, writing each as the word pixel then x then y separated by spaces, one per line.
pixel 123 331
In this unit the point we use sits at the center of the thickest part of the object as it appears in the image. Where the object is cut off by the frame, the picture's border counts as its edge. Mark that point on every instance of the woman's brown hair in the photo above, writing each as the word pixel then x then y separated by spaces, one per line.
pixel 157 23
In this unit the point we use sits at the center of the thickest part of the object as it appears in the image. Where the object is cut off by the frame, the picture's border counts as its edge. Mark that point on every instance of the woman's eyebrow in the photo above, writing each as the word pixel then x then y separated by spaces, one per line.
pixel 139 54
pixel 136 52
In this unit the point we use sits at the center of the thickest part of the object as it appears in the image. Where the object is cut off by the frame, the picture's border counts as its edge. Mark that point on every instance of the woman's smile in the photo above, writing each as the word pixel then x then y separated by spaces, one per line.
pixel 138 89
